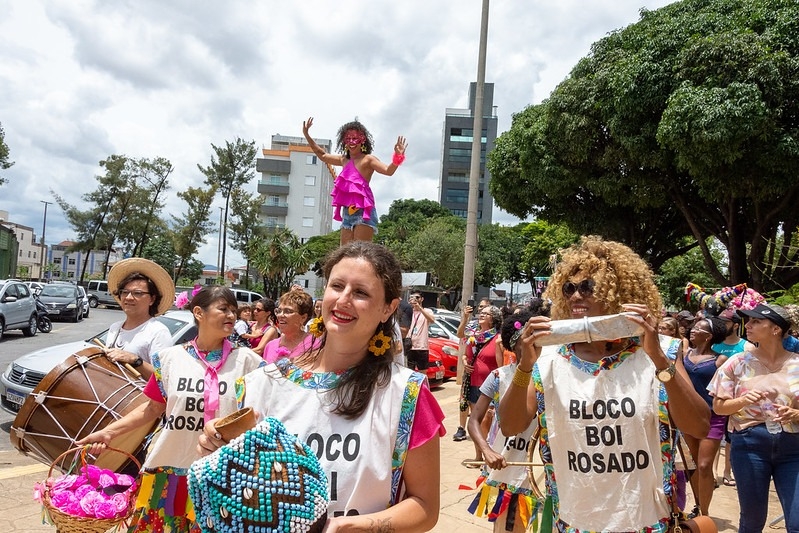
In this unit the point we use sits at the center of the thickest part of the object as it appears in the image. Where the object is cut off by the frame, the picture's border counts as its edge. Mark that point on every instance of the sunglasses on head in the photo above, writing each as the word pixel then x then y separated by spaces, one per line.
pixel 585 288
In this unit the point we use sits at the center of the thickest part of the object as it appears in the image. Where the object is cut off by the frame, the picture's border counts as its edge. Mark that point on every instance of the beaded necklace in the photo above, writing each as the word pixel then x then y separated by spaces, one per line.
pixel 607 363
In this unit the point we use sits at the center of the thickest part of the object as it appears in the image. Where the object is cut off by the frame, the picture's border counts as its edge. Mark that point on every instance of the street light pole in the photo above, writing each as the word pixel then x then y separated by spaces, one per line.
pixel 470 248
pixel 44 246
pixel 219 268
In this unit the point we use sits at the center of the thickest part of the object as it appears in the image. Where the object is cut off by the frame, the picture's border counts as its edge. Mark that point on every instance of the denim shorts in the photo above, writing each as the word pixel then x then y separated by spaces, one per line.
pixel 356 219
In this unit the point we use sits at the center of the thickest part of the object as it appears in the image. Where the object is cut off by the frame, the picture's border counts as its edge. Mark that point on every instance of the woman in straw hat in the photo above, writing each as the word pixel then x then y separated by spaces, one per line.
pixel 191 384
pixel 143 291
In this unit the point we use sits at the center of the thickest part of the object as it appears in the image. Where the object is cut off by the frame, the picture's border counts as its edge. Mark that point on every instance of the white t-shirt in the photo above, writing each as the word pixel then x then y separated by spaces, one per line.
pixel 148 338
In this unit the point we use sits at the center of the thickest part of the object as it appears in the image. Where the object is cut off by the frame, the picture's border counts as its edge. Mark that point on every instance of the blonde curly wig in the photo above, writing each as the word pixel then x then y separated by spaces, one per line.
pixel 620 277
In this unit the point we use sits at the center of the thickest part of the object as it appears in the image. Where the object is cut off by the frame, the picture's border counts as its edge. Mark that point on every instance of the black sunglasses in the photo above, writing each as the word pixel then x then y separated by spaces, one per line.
pixel 585 288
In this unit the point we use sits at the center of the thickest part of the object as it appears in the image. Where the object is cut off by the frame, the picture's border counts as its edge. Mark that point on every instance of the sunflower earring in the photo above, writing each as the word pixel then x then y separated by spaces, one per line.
pixel 379 344
pixel 317 327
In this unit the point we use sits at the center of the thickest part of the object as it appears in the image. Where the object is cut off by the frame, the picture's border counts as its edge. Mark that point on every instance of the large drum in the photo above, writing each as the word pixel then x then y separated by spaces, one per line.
pixel 82 395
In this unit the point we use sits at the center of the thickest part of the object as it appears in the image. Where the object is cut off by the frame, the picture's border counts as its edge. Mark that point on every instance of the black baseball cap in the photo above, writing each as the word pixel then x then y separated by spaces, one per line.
pixel 774 313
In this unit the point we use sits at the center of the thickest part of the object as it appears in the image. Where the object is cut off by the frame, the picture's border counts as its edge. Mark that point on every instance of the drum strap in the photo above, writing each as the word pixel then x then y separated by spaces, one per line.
pixel 211 389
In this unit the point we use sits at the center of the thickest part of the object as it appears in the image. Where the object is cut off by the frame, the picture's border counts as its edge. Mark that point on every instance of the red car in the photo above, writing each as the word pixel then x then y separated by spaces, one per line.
pixel 445 351
pixel 435 370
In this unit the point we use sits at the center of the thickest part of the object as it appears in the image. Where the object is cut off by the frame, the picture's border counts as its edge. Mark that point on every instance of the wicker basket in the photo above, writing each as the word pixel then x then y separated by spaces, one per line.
pixel 66 523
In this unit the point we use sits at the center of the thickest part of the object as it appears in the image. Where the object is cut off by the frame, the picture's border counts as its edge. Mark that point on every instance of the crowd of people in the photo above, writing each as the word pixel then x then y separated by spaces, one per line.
pixel 620 409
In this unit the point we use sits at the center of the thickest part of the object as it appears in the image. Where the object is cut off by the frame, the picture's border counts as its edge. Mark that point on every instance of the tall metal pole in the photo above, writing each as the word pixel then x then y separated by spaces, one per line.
pixel 219 268
pixel 470 249
pixel 44 246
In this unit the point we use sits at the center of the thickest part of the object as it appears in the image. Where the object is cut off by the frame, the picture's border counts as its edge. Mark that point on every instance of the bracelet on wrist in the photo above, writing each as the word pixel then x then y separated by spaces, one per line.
pixel 398 159
pixel 521 378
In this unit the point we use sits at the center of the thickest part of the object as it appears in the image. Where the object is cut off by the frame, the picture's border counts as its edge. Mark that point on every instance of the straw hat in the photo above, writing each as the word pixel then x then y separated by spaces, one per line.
pixel 154 271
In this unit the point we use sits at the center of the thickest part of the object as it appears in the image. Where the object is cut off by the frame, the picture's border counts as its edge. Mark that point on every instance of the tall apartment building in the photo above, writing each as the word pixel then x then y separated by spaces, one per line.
pixel 296 188
pixel 457 155
pixel 29 254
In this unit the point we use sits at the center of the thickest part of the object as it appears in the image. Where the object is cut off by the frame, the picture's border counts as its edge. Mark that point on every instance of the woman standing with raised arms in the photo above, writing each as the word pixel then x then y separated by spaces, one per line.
pixel 353 200
pixel 374 424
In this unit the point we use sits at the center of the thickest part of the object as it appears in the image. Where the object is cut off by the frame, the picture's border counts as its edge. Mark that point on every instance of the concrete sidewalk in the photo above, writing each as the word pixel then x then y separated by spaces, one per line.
pixel 19 513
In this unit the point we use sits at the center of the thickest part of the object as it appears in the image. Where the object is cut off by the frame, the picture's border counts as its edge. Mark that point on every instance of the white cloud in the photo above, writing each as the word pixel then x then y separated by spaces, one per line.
pixel 85 79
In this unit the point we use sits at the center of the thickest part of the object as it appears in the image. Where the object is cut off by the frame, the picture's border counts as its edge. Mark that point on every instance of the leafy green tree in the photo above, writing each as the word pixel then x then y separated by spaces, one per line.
pixel 153 181
pixel 161 249
pixel 498 250
pixel 404 219
pixel 319 246
pixel 191 228
pixel 232 166
pixel 681 125
pixel 279 257
pixel 438 248
pixel 542 242
pixel 5 163
pixel 244 223
pixel 96 226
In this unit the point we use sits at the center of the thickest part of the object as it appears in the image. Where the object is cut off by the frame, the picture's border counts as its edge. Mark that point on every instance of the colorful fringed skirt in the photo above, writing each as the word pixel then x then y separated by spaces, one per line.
pixel 495 500
pixel 163 504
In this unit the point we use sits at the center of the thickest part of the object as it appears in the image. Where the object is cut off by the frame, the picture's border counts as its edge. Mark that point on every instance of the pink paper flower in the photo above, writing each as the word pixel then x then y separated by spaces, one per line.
pixel 126 480
pixel 197 288
pixel 73 508
pixel 182 300
pixel 106 479
pixel 92 473
pixel 88 501
pixel 105 509
pixel 38 492
pixel 83 490
pixel 120 501
pixel 61 500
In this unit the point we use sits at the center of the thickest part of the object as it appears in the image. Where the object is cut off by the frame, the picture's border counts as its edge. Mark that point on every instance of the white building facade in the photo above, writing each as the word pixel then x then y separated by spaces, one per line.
pixel 29 260
pixel 295 186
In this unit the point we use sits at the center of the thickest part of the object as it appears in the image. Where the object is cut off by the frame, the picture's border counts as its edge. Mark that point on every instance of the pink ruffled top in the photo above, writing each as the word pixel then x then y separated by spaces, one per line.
pixel 351 189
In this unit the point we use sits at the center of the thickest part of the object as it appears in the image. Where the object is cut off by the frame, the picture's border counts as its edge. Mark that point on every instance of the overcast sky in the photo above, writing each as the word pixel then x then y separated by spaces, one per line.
pixel 81 80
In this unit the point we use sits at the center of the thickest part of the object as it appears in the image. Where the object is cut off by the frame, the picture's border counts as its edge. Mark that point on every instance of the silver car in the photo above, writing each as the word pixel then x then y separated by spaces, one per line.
pixel 24 373
pixel 17 308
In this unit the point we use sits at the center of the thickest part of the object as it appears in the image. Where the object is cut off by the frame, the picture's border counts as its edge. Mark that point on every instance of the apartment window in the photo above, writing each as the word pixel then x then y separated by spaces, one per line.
pixel 310 159
pixel 29 254
pixel 70 274
pixel 309 201
pixel 457 196
pixel 307 222
pixel 273 200
pixel 20 253
pixel 71 261
pixel 56 260
pixel 458 177
pixel 310 181
pixel 34 255
pixel 270 222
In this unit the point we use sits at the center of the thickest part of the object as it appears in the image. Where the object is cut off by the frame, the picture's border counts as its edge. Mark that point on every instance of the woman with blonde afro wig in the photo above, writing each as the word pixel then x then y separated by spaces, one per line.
pixel 619 274
pixel 606 409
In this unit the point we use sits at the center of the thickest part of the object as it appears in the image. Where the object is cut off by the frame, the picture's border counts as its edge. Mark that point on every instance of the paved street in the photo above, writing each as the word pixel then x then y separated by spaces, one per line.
pixel 18 512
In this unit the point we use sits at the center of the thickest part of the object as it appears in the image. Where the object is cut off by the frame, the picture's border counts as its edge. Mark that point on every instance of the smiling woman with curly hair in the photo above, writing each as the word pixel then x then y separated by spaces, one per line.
pixel 606 408
pixel 619 277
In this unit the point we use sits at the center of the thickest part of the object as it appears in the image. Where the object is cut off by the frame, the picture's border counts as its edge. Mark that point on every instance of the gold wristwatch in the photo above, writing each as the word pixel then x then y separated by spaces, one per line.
pixel 666 374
